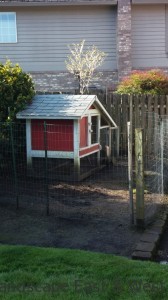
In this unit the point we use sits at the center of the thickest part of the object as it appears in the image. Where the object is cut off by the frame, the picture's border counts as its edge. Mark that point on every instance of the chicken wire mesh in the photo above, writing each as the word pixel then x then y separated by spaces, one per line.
pixel 146 178
pixel 46 182
pixel 153 171
pixel 164 153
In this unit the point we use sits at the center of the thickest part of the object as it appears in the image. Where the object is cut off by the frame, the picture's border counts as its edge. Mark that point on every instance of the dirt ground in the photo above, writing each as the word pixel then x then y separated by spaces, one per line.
pixel 90 215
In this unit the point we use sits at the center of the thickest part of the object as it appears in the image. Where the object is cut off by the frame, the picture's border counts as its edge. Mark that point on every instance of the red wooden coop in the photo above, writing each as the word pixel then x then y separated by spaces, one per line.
pixel 73 124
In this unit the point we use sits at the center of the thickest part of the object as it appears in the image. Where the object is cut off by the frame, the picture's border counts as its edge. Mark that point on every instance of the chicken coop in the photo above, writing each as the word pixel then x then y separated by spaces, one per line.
pixel 66 127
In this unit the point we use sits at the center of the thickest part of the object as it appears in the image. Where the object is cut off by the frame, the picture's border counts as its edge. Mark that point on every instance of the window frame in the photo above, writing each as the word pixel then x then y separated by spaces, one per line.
pixel 90 115
pixel 14 13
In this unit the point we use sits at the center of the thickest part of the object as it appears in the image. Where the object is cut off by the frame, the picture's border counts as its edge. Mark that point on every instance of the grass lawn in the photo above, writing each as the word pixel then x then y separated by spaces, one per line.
pixel 47 273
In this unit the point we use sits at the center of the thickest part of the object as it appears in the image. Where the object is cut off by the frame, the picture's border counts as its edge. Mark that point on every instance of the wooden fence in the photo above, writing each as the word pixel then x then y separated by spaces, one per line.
pixel 143 106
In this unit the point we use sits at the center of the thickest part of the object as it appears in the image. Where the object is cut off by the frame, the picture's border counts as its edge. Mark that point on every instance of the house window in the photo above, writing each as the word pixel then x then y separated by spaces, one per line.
pixel 8 32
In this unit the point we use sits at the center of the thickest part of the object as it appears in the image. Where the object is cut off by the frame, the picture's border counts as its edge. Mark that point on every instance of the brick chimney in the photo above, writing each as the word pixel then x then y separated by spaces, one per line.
pixel 124 38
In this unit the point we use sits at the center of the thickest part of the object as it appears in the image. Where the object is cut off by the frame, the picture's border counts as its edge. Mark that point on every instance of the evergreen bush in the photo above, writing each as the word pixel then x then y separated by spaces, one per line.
pixel 153 82
pixel 16 90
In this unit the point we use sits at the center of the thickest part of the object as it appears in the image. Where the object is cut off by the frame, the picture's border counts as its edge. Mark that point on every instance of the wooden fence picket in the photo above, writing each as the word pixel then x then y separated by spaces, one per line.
pixel 143 108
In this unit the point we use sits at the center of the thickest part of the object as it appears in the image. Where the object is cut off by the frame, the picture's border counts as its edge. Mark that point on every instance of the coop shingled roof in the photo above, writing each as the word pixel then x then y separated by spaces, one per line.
pixel 61 107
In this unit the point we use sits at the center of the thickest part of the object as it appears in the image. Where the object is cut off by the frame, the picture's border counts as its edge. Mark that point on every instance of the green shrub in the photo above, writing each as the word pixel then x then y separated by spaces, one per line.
pixel 153 82
pixel 16 90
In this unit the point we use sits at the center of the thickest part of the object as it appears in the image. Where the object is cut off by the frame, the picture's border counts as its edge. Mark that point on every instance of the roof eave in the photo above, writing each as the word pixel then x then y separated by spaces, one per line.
pixel 149 1
pixel 102 109
pixel 81 3
pixel 36 117
pixel 113 124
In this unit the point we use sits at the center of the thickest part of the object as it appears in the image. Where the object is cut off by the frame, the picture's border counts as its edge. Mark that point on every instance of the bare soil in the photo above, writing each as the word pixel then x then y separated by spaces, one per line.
pixel 90 215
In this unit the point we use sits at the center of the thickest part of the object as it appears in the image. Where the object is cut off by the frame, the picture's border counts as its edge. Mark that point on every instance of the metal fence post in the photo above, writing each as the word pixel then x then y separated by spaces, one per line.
pixel 46 168
pixel 139 163
pixel 130 179
pixel 162 155
pixel 14 165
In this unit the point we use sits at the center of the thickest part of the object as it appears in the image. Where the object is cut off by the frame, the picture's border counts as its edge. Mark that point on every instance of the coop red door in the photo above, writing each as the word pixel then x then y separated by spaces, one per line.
pixel 59 135
pixel 84 132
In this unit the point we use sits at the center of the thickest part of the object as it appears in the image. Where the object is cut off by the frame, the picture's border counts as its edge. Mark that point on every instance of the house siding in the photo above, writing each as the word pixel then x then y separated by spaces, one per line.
pixel 148 37
pixel 58 2
pixel 44 33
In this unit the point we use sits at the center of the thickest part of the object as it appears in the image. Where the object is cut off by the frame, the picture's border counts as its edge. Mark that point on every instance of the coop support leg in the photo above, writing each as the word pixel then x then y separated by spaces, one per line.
pixel 98 158
pixel 28 146
pixel 76 151
pixel 109 144
pixel 98 138
pixel 77 168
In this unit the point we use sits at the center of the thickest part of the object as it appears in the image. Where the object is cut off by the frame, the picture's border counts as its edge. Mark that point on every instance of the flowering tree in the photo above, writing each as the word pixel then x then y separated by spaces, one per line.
pixel 82 63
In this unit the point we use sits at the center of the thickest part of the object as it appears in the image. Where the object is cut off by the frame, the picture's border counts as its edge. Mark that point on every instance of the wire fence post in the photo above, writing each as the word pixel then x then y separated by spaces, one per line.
pixel 46 168
pixel 139 164
pixel 162 155
pixel 130 177
pixel 14 164
pixel 130 164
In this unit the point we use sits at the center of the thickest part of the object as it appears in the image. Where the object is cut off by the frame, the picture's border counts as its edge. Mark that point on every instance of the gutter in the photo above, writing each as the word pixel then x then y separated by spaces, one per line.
pixel 55 3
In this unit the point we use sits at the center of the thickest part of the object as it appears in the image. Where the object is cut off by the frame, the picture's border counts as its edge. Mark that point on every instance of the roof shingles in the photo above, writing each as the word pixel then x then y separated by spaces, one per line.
pixel 62 107
pixel 57 106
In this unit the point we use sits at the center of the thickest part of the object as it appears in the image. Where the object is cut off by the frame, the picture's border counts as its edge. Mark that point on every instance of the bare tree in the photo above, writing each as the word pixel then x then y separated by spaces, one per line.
pixel 82 63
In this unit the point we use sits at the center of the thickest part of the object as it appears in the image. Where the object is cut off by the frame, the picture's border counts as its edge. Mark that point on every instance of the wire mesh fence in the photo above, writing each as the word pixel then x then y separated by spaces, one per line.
pixel 153 172
pixel 164 153
pixel 45 181
pixel 44 178
pixel 45 201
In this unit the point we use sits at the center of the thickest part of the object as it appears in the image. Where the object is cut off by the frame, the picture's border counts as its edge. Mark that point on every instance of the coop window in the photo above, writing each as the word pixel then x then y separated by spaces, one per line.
pixel 94 129
pixel 8 32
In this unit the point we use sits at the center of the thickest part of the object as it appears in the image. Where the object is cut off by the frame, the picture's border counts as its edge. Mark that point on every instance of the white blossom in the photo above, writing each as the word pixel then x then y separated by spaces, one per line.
pixel 82 63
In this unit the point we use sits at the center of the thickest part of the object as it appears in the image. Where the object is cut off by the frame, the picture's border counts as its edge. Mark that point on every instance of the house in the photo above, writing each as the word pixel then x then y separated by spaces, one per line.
pixel 35 33
pixel 72 124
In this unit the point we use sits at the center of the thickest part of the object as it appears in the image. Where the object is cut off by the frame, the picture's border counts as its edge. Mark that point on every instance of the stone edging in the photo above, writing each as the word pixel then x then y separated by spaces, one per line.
pixel 147 246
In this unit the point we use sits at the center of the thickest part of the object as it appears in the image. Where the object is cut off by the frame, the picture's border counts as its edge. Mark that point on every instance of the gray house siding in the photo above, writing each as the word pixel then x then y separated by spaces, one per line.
pixel 134 34
pixel 148 36
pixel 44 33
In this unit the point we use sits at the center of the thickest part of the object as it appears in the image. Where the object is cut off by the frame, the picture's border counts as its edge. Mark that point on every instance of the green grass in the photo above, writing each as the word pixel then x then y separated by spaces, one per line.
pixel 47 273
